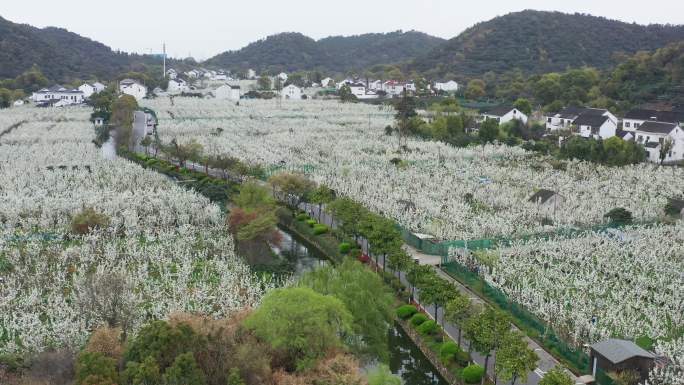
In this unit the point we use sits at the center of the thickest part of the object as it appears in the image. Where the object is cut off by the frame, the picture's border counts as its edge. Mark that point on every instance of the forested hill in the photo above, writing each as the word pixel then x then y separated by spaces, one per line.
pixel 61 55
pixel 540 42
pixel 294 51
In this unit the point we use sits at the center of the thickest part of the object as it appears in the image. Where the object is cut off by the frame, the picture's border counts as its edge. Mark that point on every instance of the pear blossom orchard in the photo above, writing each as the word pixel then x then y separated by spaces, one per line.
pixel 164 249
pixel 429 187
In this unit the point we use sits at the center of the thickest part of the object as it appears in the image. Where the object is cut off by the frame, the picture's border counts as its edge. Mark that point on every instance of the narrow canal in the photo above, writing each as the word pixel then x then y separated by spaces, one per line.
pixel 405 359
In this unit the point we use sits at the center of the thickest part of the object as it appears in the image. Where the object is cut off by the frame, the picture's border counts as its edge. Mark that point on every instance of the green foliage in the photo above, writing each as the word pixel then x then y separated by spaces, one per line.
pixel 428 327
pixel 489 131
pixel 406 311
pixel 448 351
pixel 514 358
pixel 344 247
pixel 382 375
pixel 418 319
pixel 89 365
pixel 613 151
pixel 365 296
pixel 346 95
pixel 234 377
pixel 162 342
pixel 645 342
pixel 294 51
pixel 301 323
pixel 253 197
pixel 523 105
pixel 556 376
pixel 87 220
pixel 302 217
pixel 142 373
pixel 619 216
pixel 542 42
pixel 311 222
pixel 184 371
pixel 320 229
pixel 472 374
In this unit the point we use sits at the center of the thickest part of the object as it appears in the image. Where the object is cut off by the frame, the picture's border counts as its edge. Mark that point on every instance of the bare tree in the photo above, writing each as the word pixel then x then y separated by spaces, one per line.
pixel 107 297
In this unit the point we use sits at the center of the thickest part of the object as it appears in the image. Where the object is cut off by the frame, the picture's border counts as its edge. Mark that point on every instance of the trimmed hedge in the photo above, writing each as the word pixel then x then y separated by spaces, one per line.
pixel 320 229
pixel 429 327
pixel 302 217
pixel 406 311
pixel 311 222
pixel 418 319
pixel 345 247
pixel 448 351
pixel 472 374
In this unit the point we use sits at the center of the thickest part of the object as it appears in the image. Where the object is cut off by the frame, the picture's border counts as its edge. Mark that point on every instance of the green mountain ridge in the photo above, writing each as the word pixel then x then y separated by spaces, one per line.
pixel 540 42
pixel 293 51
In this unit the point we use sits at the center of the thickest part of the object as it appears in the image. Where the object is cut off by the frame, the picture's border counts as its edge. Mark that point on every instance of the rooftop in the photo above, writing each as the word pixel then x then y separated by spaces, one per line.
pixel 616 351
pixel 660 116
pixel 657 127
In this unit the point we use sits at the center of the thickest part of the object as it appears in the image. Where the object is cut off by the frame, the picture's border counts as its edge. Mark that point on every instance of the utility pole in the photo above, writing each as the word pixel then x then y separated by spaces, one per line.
pixel 164 53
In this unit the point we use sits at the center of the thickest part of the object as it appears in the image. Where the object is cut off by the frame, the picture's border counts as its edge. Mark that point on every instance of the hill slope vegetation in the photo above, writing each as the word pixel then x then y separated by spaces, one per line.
pixel 295 52
pixel 61 55
pixel 540 42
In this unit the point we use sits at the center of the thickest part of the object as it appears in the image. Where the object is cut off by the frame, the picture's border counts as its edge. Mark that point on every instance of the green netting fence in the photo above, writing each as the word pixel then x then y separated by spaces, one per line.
pixel 525 320
pixel 441 248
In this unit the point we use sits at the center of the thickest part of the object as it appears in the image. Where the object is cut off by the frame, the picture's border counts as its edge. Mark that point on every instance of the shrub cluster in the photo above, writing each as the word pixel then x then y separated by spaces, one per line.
pixel 472 374
pixel 406 311
pixel 418 319
pixel 320 229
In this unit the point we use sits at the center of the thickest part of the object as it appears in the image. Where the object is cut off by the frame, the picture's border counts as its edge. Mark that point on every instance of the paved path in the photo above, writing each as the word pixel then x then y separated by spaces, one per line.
pixel 546 360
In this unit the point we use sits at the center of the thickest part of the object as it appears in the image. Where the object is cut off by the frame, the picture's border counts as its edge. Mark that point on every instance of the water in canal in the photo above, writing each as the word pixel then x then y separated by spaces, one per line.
pixel 406 360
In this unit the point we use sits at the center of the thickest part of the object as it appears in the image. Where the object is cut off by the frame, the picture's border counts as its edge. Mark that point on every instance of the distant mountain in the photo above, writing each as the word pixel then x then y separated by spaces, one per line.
pixel 294 51
pixel 539 42
pixel 61 55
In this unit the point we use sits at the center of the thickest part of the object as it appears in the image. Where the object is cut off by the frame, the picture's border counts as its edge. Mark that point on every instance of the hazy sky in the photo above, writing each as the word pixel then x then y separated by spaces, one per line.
pixel 205 28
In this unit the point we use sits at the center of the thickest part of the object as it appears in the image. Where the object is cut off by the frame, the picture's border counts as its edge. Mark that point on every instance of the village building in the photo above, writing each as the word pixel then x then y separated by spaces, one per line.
pixel 132 88
pixel 291 92
pixel 171 73
pixel 505 114
pixel 655 135
pixel 547 200
pixel 615 355
pixel 228 92
pixel 450 87
pixel 328 82
pixel 635 118
pixel 57 96
pixel 177 86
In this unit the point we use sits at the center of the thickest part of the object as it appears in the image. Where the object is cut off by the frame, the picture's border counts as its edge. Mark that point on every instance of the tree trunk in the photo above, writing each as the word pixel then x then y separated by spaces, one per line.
pixel 514 378
pixel 384 259
pixel 485 369
pixel 436 319
pixel 459 336
pixel 320 213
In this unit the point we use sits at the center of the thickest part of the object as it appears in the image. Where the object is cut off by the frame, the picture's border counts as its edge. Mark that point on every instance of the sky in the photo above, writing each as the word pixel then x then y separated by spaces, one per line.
pixel 206 28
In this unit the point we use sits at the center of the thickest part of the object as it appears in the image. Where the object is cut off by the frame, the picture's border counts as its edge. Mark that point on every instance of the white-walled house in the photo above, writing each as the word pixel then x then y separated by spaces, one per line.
pixel 505 114
pixel 450 86
pixel 87 89
pixel 325 83
pixel 635 118
pixel 654 134
pixel 99 87
pixel 375 85
pixel 228 92
pixel 357 89
pixel 58 96
pixel 132 88
pixel 590 122
pixel 291 92
pixel 282 76
pixel 596 126
pixel 177 86
pixel 171 73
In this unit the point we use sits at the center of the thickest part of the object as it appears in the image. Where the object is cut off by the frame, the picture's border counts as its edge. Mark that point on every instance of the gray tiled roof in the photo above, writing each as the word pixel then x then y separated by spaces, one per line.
pixel 657 127
pixel 616 351
pixel 542 196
